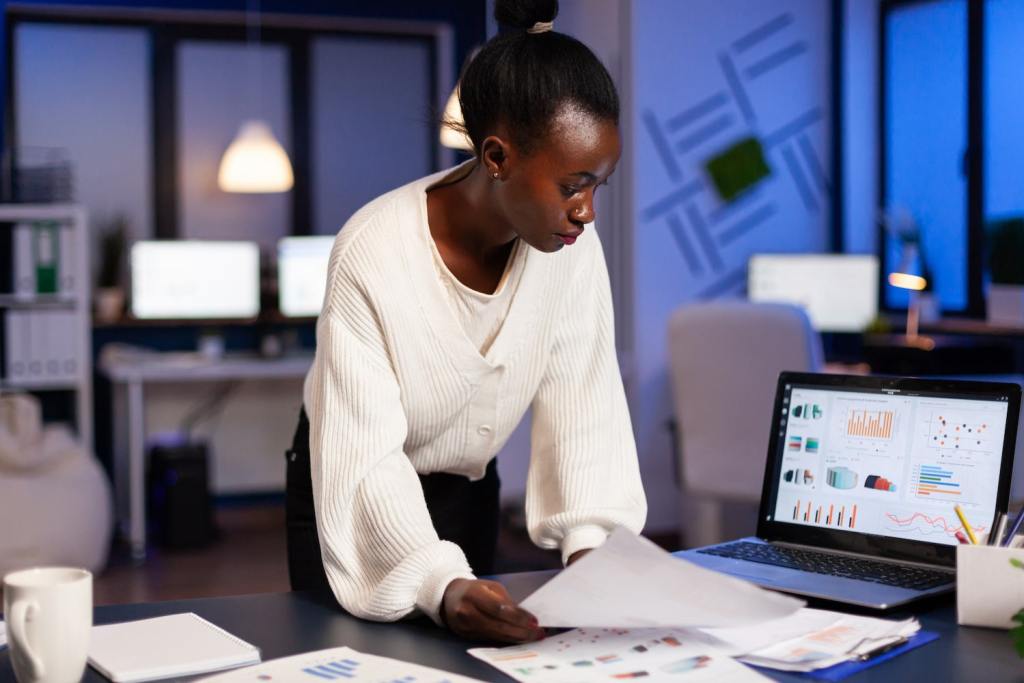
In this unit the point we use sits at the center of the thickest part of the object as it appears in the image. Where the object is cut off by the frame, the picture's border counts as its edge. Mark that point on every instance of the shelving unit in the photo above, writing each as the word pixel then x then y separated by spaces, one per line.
pixel 75 299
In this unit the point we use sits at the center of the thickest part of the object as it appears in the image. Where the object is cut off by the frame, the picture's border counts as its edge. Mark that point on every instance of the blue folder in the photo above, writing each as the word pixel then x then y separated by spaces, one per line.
pixel 841 671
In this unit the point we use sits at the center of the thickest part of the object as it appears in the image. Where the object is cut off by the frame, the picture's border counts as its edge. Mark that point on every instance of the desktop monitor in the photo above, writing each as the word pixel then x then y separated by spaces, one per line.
pixel 302 274
pixel 195 279
pixel 838 291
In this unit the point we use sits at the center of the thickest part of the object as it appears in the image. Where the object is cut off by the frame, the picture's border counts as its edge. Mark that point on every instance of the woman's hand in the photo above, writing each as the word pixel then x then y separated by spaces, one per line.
pixel 482 610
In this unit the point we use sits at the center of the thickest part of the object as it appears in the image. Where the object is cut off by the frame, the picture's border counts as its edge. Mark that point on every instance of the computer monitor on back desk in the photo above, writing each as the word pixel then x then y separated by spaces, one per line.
pixel 839 291
pixel 195 280
pixel 302 274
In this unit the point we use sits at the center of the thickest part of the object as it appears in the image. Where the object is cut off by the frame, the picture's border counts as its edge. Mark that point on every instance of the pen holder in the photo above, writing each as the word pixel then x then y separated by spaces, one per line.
pixel 989 589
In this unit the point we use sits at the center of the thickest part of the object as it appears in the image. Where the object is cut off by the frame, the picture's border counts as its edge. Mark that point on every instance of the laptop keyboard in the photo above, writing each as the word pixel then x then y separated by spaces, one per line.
pixel 833 565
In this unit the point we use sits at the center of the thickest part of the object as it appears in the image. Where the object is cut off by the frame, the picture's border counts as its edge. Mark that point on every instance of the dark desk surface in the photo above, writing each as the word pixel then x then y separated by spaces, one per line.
pixel 290 623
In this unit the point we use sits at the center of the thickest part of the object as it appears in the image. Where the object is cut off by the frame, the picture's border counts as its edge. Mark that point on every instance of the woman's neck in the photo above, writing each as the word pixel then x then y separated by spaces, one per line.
pixel 471 236
pixel 463 216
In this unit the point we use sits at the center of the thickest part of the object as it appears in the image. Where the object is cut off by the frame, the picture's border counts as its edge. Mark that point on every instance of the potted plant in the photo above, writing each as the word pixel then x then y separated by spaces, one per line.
pixel 110 296
pixel 1005 247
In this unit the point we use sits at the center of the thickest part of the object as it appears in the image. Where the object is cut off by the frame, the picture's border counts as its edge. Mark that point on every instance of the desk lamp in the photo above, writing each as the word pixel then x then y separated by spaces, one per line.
pixel 910 276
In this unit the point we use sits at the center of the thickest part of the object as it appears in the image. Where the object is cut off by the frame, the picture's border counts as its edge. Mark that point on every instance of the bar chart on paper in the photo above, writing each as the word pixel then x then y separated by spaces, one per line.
pixel 334 670
pixel 339 664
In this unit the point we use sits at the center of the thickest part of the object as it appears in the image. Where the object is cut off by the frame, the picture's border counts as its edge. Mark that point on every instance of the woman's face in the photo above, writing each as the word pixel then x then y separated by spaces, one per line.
pixel 547 196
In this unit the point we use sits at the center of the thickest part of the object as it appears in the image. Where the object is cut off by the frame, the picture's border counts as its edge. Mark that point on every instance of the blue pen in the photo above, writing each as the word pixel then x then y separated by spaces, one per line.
pixel 1013 529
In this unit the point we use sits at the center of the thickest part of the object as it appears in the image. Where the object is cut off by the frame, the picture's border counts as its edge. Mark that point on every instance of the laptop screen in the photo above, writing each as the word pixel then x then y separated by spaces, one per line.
pixel 889 460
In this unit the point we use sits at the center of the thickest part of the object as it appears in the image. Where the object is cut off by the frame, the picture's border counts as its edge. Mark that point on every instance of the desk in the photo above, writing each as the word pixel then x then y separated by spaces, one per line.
pixel 282 624
pixel 129 372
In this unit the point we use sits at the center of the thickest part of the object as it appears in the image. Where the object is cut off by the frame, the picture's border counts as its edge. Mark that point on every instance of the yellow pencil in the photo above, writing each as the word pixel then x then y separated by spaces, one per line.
pixel 967 527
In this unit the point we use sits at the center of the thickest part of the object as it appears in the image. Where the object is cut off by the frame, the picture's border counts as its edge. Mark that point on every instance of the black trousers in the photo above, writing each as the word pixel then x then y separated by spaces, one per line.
pixel 464 512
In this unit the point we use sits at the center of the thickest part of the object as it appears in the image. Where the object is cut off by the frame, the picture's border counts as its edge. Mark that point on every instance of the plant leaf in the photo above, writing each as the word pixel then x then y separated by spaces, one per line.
pixel 1017 634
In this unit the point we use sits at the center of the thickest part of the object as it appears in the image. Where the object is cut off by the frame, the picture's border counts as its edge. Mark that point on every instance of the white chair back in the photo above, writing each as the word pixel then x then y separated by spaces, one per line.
pixel 725 360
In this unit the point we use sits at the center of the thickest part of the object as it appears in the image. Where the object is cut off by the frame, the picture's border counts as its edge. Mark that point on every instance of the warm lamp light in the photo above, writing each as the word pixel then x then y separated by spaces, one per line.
pixel 255 162
pixel 913 283
pixel 452 137
pixel 907 281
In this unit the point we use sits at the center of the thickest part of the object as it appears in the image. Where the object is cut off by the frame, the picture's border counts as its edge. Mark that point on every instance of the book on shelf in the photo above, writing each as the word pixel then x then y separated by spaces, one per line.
pixel 40 347
pixel 37 258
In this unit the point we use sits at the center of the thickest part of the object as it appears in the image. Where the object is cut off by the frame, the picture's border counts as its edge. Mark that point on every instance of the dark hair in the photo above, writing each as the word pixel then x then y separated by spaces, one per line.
pixel 522 79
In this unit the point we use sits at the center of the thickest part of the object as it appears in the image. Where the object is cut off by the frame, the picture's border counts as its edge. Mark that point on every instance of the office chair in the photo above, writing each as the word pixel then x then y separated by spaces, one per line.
pixel 724 361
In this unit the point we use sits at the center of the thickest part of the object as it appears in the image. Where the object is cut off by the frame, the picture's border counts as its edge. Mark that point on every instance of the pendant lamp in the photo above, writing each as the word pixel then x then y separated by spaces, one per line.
pixel 451 137
pixel 255 162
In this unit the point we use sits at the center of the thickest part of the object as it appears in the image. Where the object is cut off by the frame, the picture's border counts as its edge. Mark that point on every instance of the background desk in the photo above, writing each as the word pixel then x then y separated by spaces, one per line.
pixel 129 373
pixel 282 624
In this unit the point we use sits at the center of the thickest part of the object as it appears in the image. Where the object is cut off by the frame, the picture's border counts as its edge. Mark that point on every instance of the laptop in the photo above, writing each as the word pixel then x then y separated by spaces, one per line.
pixel 860 484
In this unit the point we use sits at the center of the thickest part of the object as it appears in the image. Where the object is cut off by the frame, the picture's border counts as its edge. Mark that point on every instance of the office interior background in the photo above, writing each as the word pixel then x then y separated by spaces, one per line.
pixel 822 152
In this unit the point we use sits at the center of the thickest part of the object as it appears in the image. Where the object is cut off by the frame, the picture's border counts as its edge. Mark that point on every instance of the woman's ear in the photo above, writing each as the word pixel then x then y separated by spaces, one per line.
pixel 494 154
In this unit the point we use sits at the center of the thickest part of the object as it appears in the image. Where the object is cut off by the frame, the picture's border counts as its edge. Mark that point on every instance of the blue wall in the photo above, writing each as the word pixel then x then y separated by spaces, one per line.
pixel 708 73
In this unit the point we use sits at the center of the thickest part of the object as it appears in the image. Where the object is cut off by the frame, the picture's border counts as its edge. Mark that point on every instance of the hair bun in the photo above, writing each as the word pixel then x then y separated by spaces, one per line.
pixel 523 14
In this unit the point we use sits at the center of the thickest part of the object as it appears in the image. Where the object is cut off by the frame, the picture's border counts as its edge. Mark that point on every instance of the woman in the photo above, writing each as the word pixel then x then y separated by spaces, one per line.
pixel 453 305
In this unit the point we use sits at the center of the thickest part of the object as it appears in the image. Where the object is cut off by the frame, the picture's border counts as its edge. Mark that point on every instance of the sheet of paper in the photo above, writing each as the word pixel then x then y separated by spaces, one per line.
pixel 741 640
pixel 584 655
pixel 338 664
pixel 631 583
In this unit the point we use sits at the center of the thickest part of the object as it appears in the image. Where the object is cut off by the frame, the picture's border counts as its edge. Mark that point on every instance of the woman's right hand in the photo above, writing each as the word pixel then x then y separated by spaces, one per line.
pixel 483 610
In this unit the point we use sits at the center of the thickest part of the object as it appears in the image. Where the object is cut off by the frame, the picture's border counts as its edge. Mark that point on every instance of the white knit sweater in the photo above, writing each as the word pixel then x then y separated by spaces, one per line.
pixel 398 389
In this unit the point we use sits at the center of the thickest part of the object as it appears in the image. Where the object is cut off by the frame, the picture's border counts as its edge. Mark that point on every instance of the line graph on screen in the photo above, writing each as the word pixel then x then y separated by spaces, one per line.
pixel 920 523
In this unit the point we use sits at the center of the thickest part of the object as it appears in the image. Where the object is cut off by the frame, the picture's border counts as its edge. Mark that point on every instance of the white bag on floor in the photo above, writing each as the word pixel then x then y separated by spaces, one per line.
pixel 55 503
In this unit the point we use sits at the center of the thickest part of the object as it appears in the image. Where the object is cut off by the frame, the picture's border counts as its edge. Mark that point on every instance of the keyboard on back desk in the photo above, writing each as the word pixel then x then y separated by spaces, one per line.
pixel 833 565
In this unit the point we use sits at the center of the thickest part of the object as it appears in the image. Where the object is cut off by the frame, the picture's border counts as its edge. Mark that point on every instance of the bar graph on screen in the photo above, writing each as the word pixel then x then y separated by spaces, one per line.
pixel 874 424
pixel 838 515
pixel 936 481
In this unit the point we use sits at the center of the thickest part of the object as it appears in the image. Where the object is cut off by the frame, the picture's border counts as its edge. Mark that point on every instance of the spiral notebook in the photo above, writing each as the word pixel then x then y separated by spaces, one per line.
pixel 164 647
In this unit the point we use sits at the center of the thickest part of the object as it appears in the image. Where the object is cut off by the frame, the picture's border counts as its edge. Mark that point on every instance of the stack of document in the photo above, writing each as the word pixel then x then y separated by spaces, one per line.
pixel 647 614
pixel 810 639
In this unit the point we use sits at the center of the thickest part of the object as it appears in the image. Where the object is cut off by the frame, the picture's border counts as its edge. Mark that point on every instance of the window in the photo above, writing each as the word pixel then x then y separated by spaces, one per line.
pixel 925 142
pixel 950 132
pixel 144 103
pixel 1004 101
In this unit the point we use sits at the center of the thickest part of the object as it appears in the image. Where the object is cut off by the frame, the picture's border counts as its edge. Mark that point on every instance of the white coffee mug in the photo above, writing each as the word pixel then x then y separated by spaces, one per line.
pixel 49 617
